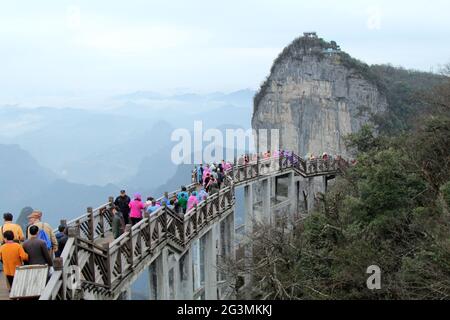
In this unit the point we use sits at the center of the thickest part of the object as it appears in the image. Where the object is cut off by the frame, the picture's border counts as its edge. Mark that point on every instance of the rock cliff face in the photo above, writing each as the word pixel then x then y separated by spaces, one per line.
pixel 315 95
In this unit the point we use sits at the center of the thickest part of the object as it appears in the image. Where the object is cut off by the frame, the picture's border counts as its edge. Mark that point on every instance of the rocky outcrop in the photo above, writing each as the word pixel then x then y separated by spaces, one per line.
pixel 315 95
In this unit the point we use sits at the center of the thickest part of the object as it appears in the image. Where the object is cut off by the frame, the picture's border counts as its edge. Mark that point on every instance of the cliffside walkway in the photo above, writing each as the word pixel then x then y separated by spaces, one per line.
pixel 94 266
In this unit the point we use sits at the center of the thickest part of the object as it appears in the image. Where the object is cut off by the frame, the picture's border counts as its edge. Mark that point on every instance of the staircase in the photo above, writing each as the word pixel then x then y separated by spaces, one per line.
pixel 93 266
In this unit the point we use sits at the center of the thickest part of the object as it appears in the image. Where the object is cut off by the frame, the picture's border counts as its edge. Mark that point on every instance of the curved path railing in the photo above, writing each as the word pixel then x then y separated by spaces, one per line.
pixel 103 270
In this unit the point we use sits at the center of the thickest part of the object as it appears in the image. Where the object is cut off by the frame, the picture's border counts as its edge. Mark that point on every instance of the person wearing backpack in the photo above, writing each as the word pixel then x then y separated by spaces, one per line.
pixel 37 249
pixel 45 231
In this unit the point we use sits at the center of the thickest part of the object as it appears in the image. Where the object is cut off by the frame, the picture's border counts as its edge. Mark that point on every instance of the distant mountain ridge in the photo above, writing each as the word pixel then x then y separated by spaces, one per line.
pixel 94 153
pixel 96 146
pixel 24 182
pixel 239 98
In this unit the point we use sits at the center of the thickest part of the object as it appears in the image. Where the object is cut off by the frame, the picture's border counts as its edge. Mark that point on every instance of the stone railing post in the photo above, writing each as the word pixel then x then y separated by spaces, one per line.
pixel 58 265
pixel 107 277
pixel 91 223
pixel 165 220
pixel 149 241
pixel 91 237
pixel 73 232
pixel 207 205
pixel 102 221
pixel 128 230
pixel 110 218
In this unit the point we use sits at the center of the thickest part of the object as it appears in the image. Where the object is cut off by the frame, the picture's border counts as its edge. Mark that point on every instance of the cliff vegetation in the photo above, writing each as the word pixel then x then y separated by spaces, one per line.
pixel 391 210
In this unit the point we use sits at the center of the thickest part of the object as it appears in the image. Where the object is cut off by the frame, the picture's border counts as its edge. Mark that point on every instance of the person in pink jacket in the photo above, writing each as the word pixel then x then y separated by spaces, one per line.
pixel 206 172
pixel 227 166
pixel 136 208
pixel 192 201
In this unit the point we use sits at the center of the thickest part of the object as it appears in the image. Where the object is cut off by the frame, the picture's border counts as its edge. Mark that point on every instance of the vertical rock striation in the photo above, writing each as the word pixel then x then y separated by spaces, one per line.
pixel 315 95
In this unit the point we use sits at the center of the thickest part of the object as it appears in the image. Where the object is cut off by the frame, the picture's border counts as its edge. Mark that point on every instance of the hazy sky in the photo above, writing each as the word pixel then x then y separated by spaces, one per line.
pixel 92 48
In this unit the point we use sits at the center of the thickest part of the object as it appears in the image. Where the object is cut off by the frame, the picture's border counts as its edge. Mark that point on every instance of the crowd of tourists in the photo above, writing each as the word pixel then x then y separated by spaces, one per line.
pixel 310 157
pixel 131 211
pixel 38 245
pixel 208 180
pixel 211 176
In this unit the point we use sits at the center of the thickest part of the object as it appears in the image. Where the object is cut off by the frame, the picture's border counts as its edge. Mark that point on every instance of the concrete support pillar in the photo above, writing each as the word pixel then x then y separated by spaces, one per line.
pixel 324 184
pixel 310 197
pixel 232 227
pixel 273 187
pixel 195 251
pixel 152 295
pixel 178 294
pixel 232 243
pixel 162 272
pixel 248 216
pixel 248 198
pixel 266 200
pixel 211 264
pixel 274 190
pixel 126 295
pixel 226 251
pixel 187 279
pixel 292 193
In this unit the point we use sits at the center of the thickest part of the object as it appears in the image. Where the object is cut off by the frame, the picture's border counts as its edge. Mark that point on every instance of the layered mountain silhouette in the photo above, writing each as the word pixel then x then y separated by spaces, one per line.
pixel 25 183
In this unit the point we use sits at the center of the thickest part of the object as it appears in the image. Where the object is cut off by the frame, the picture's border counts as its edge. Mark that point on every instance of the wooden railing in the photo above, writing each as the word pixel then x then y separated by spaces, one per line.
pixel 95 223
pixel 102 269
